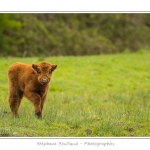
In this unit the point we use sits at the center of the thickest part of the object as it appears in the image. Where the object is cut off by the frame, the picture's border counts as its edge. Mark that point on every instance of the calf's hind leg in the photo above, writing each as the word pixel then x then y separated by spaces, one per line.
pixel 15 97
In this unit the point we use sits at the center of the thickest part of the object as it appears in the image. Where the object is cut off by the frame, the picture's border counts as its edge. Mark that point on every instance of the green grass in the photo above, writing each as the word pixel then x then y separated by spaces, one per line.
pixel 105 95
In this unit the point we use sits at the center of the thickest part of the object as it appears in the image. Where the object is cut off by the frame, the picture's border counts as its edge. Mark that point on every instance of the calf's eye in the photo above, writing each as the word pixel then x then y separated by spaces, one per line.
pixel 50 72
pixel 39 72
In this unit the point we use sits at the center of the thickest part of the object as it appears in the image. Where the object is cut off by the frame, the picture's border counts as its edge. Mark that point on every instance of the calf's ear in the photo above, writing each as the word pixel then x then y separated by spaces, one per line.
pixel 54 67
pixel 35 67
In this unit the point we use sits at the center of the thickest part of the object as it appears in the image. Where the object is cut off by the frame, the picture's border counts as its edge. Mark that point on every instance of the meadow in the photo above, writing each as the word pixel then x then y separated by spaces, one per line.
pixel 89 96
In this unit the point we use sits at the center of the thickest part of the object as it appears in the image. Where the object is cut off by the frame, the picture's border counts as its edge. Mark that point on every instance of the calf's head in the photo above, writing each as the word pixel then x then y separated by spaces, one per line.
pixel 44 71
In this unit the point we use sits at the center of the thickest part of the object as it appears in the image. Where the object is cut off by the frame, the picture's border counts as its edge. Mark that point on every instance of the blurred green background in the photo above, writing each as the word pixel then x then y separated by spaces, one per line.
pixel 24 35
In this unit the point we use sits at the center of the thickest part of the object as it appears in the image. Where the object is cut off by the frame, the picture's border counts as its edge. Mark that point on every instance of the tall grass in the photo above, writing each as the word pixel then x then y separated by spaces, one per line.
pixel 105 95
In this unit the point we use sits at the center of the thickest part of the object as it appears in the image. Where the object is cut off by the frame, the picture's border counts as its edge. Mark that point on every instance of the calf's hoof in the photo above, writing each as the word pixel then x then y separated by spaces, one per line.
pixel 38 115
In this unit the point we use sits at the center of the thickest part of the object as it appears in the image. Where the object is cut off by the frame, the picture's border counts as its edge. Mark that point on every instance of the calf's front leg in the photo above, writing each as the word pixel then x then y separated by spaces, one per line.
pixel 43 101
pixel 36 100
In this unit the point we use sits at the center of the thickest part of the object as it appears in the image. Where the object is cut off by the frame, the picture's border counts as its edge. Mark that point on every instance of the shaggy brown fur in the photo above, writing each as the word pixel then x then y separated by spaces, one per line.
pixel 32 81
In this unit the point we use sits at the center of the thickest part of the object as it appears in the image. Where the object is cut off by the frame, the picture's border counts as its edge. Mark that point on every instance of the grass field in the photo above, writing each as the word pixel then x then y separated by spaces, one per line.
pixel 105 95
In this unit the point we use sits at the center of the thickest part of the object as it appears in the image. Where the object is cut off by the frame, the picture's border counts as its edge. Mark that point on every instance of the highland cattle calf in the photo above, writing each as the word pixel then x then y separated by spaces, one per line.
pixel 31 81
